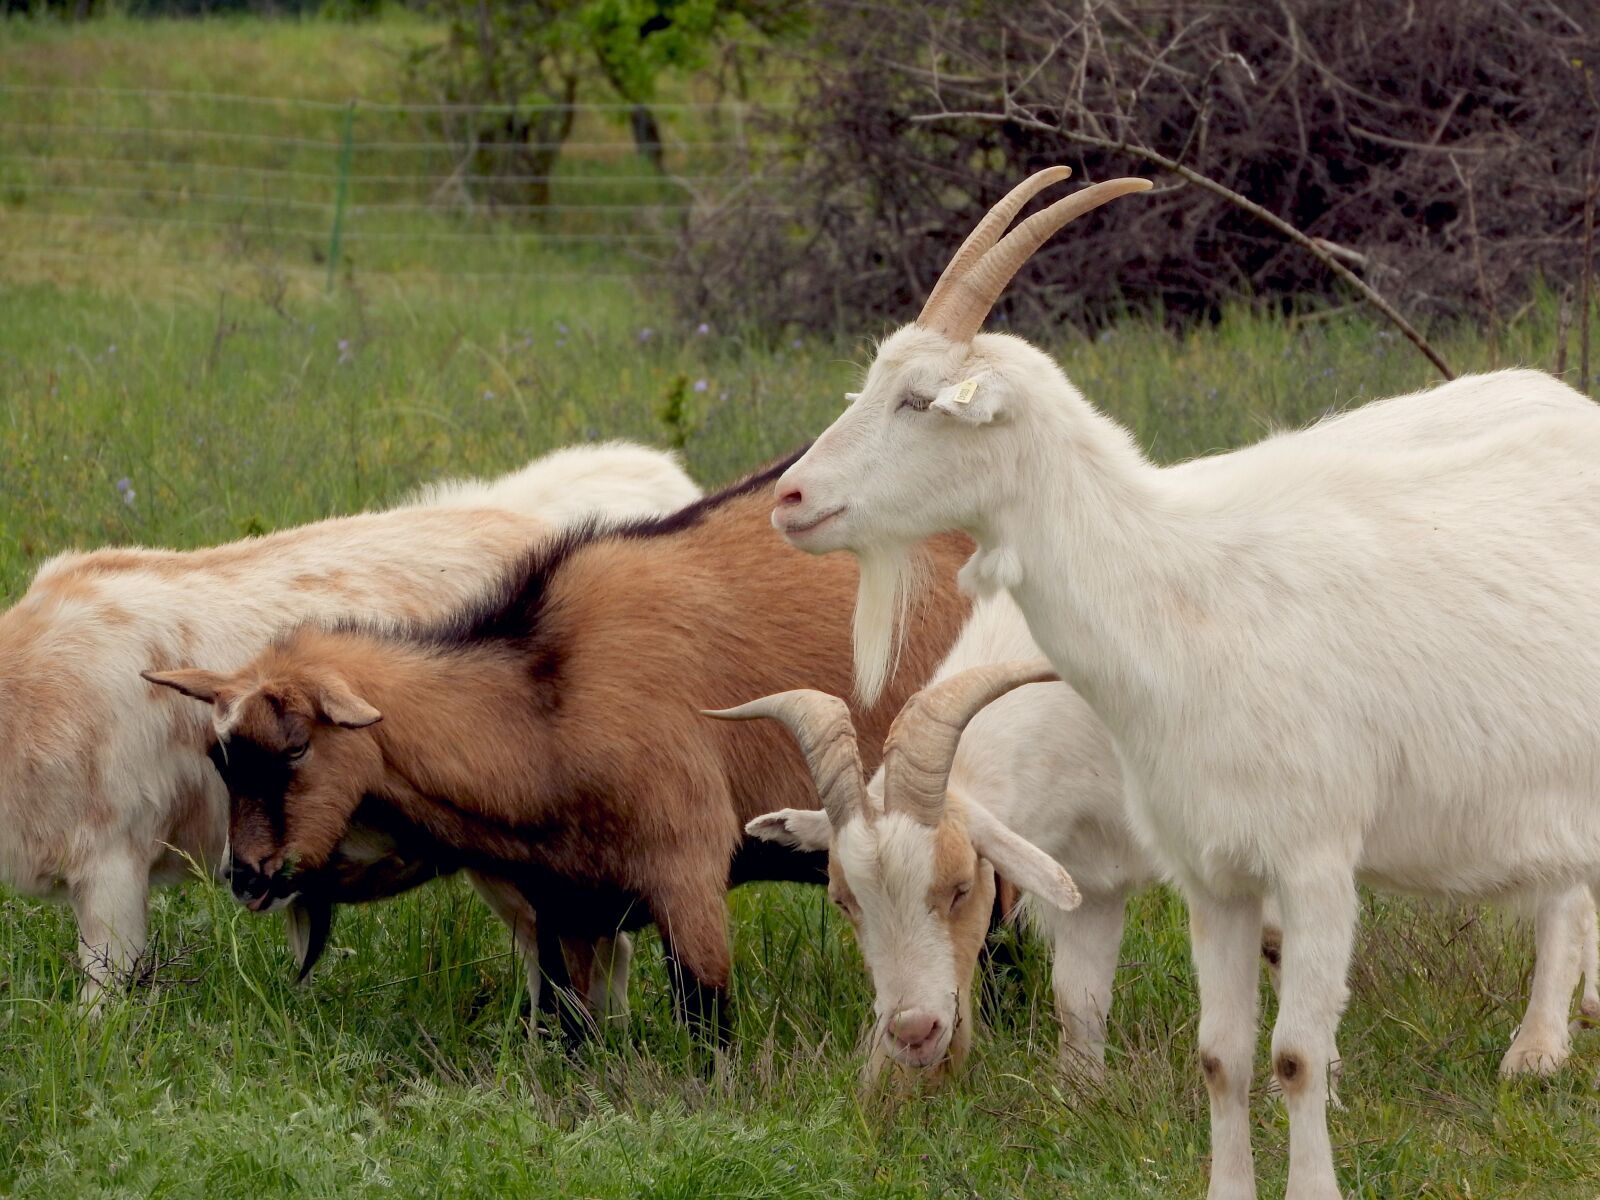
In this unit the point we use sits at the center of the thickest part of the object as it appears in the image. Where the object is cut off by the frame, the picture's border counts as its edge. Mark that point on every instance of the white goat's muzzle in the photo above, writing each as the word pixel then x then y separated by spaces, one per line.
pixel 918 1037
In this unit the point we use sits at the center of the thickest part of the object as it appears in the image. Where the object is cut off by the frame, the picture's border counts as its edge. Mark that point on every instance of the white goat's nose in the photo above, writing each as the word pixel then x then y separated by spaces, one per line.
pixel 912 1027
pixel 789 495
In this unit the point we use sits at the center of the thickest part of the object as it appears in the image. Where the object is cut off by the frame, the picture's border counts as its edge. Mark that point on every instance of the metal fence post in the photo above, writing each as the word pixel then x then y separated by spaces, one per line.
pixel 342 194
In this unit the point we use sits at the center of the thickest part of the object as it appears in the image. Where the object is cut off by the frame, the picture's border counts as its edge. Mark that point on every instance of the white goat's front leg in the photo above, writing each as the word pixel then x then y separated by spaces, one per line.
pixel 1543 1040
pixel 1272 951
pixel 508 903
pixel 1319 924
pixel 1226 937
pixel 1087 941
pixel 110 903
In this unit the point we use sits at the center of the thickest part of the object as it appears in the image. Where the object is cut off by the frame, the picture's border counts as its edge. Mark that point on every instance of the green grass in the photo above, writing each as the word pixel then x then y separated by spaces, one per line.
pixel 404 1066
pixel 232 405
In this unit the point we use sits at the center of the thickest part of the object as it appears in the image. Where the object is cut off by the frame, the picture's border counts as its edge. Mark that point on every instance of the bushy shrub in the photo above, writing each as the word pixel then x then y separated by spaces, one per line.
pixel 1445 148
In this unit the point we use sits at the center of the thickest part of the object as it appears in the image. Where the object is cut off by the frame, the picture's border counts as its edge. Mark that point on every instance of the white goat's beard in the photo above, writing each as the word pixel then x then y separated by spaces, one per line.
pixel 883 594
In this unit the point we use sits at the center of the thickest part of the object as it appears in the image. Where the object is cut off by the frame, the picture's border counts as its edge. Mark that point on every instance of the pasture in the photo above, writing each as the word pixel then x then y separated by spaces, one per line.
pixel 184 409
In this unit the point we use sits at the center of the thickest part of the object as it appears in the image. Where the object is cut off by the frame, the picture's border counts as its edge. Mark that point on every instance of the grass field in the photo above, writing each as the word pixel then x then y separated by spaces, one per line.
pixel 222 407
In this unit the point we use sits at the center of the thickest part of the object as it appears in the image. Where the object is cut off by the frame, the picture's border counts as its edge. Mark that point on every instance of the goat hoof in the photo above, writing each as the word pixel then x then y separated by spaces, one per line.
pixel 1533 1058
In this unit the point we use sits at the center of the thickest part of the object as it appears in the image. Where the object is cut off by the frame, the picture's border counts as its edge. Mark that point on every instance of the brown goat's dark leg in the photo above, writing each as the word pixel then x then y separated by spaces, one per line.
pixel 694 935
pixel 558 998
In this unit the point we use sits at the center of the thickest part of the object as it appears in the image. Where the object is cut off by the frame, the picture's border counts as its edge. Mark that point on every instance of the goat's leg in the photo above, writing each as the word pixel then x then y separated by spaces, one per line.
pixel 559 998
pixel 1543 1041
pixel 1589 952
pixel 1226 937
pixel 110 902
pixel 694 934
pixel 1319 923
pixel 1272 952
pixel 1083 969
pixel 607 992
pixel 508 903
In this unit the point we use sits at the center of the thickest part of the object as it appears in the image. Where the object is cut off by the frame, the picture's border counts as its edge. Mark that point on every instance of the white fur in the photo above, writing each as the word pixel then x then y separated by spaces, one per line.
pixel 1319 657
pixel 104 782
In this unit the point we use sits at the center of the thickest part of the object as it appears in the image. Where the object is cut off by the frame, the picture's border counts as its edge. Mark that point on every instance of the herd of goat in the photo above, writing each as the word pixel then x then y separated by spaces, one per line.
pixel 1358 652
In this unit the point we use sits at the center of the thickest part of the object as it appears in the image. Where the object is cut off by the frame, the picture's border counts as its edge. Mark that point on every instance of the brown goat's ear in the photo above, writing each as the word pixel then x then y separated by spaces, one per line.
pixel 204 686
pixel 343 707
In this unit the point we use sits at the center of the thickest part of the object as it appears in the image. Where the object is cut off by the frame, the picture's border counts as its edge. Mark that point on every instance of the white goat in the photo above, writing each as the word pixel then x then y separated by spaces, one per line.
pixel 1036 761
pixel 1318 662
pixel 1035 758
pixel 105 786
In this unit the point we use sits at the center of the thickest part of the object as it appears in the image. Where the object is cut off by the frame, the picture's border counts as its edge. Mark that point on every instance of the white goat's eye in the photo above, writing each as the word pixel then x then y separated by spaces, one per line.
pixel 916 401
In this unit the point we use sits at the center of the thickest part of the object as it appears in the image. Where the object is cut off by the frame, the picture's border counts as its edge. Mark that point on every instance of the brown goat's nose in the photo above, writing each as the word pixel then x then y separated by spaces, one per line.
pixel 913 1027
pixel 791 496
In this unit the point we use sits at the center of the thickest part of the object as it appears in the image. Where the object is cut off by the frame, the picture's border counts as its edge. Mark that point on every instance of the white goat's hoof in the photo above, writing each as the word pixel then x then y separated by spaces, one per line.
pixel 1533 1057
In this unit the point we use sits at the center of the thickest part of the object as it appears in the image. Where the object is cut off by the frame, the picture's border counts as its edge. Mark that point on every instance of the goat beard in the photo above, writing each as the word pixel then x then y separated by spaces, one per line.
pixel 888 578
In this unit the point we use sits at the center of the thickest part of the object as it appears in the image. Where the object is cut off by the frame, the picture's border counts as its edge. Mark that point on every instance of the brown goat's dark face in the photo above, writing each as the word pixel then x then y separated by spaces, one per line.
pixel 295 763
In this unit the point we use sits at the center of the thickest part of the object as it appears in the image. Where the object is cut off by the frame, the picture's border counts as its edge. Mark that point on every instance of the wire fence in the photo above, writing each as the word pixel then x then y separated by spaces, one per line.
pixel 321 190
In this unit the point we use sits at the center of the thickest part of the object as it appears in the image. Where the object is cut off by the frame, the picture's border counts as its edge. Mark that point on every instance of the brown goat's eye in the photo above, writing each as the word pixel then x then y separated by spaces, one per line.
pixel 915 401
pixel 959 896
pixel 296 753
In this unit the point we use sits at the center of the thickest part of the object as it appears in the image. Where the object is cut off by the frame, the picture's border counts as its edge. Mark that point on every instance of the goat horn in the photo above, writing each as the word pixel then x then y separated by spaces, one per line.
pixel 968 299
pixel 821 725
pixel 984 235
pixel 923 739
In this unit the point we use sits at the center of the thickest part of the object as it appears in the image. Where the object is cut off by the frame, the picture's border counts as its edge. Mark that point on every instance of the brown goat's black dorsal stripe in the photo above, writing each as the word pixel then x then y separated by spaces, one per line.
pixel 510 610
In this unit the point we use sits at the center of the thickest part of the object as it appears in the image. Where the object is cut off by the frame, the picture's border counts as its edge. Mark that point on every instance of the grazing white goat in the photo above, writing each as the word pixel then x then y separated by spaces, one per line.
pixel 991 741
pixel 1318 662
pixel 1036 762
pixel 105 786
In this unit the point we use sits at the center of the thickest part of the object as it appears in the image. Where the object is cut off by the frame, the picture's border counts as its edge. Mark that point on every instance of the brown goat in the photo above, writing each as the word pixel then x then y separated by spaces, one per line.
pixel 554 734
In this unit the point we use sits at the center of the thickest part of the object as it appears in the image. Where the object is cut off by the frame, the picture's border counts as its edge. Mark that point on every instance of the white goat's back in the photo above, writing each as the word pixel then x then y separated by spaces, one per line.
pixel 605 480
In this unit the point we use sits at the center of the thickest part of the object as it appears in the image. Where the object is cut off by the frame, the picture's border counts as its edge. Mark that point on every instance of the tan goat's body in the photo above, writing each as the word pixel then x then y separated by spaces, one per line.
pixel 105 785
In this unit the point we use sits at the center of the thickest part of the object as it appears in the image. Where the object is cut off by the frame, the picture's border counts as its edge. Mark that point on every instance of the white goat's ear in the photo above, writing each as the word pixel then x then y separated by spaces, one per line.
pixel 975 401
pixel 797 828
pixel 1021 862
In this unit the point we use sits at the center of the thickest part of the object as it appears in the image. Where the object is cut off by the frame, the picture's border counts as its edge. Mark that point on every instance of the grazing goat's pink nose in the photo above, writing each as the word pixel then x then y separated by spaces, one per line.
pixel 912 1027
pixel 790 496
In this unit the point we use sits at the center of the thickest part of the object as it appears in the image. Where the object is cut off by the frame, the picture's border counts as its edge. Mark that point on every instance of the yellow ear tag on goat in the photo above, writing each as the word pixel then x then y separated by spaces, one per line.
pixel 962 393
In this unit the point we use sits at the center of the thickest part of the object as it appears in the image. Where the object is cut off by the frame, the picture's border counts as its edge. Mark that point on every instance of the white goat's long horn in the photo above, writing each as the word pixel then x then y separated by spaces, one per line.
pixel 923 739
pixel 984 235
pixel 821 725
pixel 969 297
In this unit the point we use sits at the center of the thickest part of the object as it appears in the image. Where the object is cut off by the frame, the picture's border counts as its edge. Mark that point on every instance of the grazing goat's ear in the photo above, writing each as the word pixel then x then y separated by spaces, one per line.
pixel 204 686
pixel 797 828
pixel 1020 861
pixel 975 401
pixel 343 707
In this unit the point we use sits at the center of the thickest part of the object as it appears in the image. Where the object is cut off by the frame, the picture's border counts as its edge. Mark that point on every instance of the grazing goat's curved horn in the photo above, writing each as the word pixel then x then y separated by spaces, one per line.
pixel 984 235
pixel 967 300
pixel 821 725
pixel 923 739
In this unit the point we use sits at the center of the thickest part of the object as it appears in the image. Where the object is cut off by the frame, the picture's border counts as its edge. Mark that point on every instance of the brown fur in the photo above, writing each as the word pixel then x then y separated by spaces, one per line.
pixel 576 761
